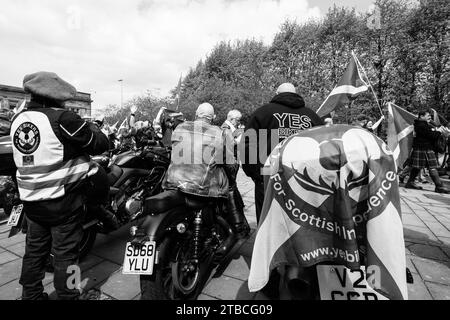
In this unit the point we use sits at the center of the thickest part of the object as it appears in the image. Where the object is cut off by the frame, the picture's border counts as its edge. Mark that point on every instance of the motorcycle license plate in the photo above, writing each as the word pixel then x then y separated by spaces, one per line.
pixel 340 283
pixel 15 215
pixel 139 260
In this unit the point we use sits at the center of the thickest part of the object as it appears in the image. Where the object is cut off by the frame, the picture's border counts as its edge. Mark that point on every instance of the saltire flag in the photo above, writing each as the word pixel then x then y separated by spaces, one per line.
pixel 348 88
pixel 124 124
pixel 179 92
pixel 400 132
pixel 324 205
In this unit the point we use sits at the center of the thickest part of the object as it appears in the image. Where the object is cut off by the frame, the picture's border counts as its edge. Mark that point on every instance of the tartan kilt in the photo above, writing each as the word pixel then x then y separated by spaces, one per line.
pixel 423 159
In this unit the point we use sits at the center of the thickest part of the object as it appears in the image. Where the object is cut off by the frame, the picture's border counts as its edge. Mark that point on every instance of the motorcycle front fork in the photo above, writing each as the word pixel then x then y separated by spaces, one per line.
pixel 198 221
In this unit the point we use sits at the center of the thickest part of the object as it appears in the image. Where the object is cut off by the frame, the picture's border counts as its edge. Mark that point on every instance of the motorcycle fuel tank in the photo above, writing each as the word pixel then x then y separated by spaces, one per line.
pixel 132 159
pixel 125 159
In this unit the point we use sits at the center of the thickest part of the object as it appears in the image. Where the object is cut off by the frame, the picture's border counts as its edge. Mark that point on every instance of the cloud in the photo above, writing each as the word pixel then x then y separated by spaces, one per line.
pixel 148 43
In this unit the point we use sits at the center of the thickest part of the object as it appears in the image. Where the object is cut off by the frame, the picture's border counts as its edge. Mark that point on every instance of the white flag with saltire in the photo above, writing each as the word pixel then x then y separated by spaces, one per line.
pixel 338 202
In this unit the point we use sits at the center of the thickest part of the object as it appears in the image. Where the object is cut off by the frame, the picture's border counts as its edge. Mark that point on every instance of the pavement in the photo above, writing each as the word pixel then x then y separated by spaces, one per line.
pixel 426 219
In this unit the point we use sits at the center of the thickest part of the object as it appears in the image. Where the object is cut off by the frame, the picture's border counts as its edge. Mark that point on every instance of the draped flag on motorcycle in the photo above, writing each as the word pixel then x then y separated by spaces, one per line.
pixel 400 132
pixel 348 88
pixel 339 202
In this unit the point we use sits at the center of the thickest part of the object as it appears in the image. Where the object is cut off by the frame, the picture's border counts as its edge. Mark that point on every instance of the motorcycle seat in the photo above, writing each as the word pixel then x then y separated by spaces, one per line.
pixel 197 203
pixel 170 199
pixel 114 173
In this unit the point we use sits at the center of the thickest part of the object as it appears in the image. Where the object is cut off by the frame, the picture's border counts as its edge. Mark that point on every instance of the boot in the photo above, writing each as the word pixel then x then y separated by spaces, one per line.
pixel 272 289
pixel 412 176
pixel 43 297
pixel 49 264
pixel 434 174
pixel 225 247
pixel 403 173
pixel 108 218
pixel 236 217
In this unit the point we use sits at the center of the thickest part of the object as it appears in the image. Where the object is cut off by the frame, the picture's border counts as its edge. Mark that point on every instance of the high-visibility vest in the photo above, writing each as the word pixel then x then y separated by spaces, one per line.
pixel 42 171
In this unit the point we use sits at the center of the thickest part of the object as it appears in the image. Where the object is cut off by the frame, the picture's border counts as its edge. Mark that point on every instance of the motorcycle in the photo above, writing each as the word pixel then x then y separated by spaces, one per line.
pixel 133 175
pixel 9 196
pixel 183 242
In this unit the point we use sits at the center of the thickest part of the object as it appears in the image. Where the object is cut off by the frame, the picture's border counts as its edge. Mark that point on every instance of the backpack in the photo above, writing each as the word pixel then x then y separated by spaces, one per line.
pixel 440 144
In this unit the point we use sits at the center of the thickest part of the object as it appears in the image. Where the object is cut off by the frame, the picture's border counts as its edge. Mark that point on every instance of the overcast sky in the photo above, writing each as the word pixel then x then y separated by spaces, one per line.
pixel 148 43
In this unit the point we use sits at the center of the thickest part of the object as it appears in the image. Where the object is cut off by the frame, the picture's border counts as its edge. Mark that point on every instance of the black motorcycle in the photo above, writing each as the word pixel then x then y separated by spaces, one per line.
pixel 133 175
pixel 9 196
pixel 183 242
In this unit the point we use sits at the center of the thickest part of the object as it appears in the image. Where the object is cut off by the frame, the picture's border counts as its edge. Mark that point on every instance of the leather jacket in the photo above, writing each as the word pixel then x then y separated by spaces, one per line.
pixel 201 160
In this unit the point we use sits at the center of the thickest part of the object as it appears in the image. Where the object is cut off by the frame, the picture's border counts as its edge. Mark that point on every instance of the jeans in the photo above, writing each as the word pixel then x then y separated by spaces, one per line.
pixel 63 241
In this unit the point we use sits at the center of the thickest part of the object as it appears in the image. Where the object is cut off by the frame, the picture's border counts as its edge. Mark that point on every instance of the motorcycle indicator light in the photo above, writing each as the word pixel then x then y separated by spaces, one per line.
pixel 133 230
pixel 181 228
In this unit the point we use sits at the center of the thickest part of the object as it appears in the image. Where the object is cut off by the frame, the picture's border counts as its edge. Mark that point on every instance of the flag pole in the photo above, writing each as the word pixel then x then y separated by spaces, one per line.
pixel 367 78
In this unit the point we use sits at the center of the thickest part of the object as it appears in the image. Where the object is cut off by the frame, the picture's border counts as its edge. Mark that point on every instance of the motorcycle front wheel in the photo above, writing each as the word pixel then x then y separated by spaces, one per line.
pixel 160 285
pixel 175 277
pixel 87 241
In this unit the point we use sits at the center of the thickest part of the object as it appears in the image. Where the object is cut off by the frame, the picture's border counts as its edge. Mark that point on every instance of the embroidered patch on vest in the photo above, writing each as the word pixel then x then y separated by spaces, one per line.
pixel 27 138
pixel 28 161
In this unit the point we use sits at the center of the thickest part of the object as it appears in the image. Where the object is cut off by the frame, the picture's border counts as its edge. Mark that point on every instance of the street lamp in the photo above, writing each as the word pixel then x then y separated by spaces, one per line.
pixel 121 93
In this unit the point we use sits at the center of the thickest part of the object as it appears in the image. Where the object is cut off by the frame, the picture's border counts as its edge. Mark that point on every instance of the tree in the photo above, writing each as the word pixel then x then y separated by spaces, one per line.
pixel 407 61
pixel 431 28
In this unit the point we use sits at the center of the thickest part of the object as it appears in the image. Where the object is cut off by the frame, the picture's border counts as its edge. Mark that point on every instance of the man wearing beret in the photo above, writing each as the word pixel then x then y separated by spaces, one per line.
pixel 51 147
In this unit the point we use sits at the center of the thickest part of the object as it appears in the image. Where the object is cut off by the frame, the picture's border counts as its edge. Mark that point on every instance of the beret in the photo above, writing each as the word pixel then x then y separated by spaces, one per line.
pixel 49 85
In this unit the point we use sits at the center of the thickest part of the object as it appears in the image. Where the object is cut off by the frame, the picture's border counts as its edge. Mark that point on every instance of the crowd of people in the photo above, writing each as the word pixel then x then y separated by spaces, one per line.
pixel 50 141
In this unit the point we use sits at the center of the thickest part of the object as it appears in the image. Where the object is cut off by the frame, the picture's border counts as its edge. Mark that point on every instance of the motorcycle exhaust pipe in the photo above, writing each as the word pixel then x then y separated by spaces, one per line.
pixel 298 281
pixel 133 208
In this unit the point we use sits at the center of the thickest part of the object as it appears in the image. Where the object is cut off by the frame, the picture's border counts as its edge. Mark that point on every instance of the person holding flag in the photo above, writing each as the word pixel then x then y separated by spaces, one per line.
pixel 165 123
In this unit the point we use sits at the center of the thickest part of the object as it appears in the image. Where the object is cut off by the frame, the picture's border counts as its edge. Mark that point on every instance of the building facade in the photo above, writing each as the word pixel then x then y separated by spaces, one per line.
pixel 81 104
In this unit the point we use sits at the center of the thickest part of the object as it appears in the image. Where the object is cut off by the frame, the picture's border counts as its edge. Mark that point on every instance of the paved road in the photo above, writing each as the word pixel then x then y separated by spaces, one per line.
pixel 426 218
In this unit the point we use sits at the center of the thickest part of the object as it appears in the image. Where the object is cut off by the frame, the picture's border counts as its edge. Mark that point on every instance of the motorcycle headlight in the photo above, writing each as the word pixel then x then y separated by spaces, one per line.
pixel 181 228
pixel 133 231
